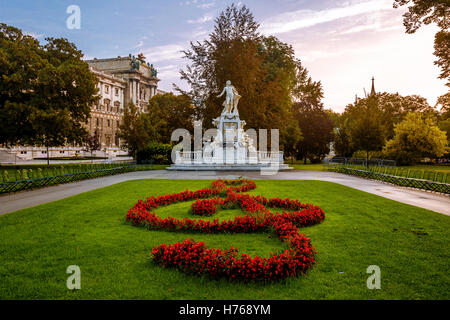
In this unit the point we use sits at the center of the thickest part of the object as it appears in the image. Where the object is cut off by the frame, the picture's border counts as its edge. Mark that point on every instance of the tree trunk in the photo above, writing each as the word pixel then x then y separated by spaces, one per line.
pixel 48 157
pixel 304 160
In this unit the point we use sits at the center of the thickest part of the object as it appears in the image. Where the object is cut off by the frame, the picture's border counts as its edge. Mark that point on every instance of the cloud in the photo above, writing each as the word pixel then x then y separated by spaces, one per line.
pixel 203 19
pixel 140 44
pixel 163 53
pixel 34 35
pixel 302 18
pixel 206 5
pixel 169 72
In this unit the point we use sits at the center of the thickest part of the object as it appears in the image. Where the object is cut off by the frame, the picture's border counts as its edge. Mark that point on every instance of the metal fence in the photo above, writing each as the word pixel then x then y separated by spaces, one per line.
pixel 361 162
pixel 426 180
pixel 15 186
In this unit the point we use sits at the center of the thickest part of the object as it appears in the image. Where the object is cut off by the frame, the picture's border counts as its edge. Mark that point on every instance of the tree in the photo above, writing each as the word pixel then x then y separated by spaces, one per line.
pixel 442 52
pixel 343 145
pixel 426 12
pixel 263 70
pixel 370 121
pixel 136 130
pixel 92 143
pixel 169 112
pixel 290 138
pixel 317 130
pixel 46 91
pixel 393 108
pixel 444 102
pixel 416 137
pixel 365 125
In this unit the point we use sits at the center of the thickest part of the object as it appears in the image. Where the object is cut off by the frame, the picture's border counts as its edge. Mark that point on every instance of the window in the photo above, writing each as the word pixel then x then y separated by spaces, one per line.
pixel 117 92
pixel 98 122
pixel 61 152
pixel 107 103
pixel 116 106
pixel 109 123
pixel 118 123
pixel 44 152
pixel 106 89
pixel 23 152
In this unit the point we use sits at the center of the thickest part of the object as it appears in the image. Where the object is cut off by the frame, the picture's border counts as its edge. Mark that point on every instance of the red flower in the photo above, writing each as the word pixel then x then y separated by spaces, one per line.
pixel 196 257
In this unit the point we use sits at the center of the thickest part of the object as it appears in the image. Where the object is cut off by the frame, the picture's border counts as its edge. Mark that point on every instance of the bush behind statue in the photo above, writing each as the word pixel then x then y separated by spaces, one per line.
pixel 156 153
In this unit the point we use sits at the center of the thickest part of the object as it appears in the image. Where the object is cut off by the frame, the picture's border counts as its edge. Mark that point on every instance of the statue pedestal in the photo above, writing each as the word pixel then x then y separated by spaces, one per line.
pixel 231 150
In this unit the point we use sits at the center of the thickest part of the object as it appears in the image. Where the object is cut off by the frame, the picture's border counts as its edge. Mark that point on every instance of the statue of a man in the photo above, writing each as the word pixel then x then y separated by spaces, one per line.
pixel 231 100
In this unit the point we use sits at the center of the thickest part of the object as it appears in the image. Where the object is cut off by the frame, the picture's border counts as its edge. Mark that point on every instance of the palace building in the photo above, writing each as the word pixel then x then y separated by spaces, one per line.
pixel 121 80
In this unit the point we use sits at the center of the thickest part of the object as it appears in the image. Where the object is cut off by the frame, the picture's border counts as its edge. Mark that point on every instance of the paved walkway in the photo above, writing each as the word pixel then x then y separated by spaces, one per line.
pixel 427 200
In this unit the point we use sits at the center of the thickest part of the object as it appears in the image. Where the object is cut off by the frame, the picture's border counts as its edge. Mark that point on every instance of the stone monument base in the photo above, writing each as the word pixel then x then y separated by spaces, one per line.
pixel 228 167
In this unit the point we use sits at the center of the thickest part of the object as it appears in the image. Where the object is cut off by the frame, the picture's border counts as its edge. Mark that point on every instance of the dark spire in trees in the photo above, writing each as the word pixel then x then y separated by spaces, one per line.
pixel 372 92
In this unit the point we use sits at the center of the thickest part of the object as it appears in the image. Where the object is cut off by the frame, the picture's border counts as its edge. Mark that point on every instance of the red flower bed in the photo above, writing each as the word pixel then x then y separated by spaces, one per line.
pixel 206 207
pixel 197 258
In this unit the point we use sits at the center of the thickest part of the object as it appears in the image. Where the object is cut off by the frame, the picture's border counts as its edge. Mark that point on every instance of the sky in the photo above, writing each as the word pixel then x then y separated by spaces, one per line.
pixel 342 43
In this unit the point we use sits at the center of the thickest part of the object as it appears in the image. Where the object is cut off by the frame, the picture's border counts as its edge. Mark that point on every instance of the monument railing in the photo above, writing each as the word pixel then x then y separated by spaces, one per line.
pixel 201 157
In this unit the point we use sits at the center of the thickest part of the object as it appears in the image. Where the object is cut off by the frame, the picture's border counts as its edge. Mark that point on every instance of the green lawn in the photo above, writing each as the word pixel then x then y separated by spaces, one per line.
pixel 409 244
pixel 444 169
pixel 308 166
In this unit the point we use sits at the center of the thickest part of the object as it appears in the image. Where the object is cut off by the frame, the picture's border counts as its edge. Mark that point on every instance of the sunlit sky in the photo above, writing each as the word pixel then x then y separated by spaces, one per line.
pixel 342 43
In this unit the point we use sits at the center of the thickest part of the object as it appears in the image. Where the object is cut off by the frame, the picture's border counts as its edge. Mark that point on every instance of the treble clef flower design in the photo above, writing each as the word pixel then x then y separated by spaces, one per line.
pixel 195 257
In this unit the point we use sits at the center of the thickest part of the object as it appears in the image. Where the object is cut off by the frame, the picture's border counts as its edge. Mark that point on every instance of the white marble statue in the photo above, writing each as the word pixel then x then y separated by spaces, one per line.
pixel 232 99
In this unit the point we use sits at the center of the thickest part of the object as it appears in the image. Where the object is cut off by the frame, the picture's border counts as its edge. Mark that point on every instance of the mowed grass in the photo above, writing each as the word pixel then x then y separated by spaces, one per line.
pixel 308 166
pixel 409 244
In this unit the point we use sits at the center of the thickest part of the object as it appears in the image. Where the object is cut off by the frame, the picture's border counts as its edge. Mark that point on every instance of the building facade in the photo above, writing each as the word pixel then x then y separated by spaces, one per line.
pixel 121 80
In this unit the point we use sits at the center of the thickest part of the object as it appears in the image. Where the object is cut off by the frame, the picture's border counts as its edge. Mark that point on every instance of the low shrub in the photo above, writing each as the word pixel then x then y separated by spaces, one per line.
pixel 155 153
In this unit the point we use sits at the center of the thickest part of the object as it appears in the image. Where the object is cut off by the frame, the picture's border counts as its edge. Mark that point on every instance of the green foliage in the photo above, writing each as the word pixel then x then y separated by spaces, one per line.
pixel 169 112
pixel 393 108
pixel 263 69
pixel 24 174
pixel 365 128
pixel 416 137
pixel 156 153
pixel 426 12
pixel 367 123
pixel 343 145
pixel 136 130
pixel 317 129
pixel 444 102
pixel 46 90
pixel 372 154
pixel 5 176
pixel 442 52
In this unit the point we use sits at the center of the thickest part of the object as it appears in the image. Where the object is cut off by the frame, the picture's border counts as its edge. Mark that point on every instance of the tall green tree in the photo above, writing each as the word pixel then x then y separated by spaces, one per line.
pixel 365 126
pixel 343 144
pixel 263 70
pixel 46 91
pixel 317 130
pixel 136 130
pixel 431 11
pixel 168 112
